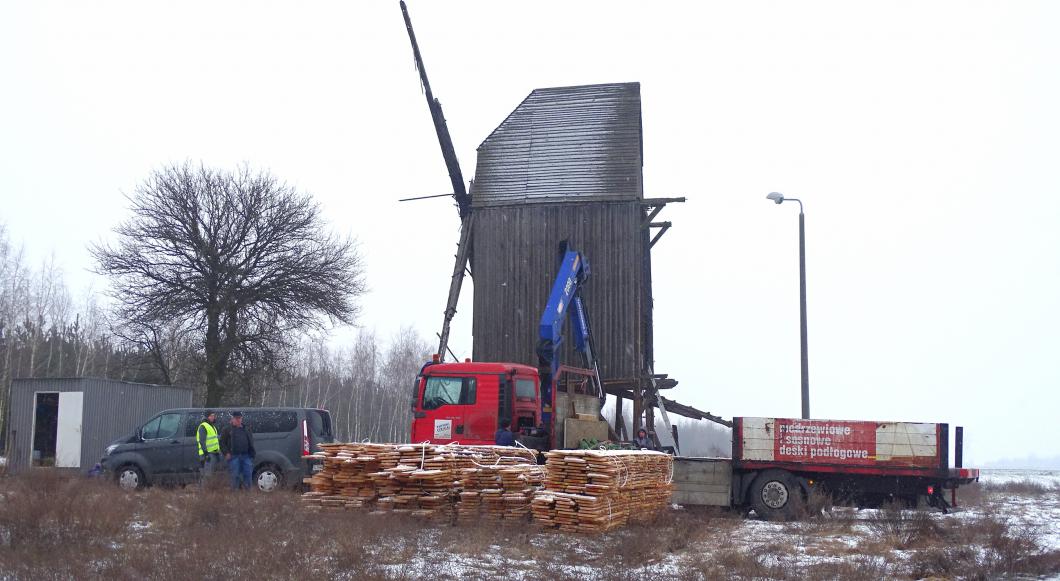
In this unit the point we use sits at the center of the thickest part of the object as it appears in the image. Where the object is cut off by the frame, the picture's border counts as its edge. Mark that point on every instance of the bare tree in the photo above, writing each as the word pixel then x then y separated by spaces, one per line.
pixel 240 259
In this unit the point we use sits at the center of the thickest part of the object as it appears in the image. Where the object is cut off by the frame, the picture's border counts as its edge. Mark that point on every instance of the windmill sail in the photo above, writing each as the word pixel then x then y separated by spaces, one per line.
pixel 463 200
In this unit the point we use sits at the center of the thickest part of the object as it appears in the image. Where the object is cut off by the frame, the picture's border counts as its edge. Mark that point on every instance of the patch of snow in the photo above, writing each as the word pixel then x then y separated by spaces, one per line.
pixel 1047 478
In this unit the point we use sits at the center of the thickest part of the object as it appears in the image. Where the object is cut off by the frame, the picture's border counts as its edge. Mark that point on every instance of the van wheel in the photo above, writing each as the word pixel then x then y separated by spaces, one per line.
pixel 130 477
pixel 268 478
pixel 775 495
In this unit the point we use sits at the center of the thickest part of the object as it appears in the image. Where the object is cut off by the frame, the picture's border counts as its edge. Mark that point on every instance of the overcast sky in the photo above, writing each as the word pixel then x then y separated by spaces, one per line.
pixel 921 136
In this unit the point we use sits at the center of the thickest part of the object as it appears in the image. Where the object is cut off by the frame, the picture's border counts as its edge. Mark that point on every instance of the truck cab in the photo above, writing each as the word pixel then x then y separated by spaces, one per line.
pixel 467 402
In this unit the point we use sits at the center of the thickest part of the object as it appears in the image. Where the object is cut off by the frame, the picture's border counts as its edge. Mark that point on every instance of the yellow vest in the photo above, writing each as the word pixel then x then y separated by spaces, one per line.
pixel 212 445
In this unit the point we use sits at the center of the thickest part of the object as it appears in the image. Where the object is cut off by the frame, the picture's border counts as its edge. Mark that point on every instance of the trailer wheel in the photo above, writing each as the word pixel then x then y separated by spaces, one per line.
pixel 775 495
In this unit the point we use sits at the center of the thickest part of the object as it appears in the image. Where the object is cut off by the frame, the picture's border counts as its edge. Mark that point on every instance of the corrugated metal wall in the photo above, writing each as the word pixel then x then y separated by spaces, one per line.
pixel 564 144
pixel 111 409
pixel 115 408
pixel 516 256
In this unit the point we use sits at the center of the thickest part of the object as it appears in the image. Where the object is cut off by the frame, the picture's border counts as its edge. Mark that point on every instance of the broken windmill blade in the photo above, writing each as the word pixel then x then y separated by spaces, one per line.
pixel 425 197
pixel 463 200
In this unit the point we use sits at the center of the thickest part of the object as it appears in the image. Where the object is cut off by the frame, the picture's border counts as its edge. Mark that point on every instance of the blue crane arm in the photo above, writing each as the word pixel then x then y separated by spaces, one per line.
pixel 565 298
pixel 572 272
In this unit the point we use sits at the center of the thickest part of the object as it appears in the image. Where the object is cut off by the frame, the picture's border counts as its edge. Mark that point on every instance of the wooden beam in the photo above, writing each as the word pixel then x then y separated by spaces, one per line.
pixel 652 215
pixel 652 202
pixel 638 408
pixel 683 410
pixel 665 226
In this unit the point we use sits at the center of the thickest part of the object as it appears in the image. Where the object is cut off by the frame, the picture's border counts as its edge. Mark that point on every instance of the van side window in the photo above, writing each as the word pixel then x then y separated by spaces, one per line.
pixel 192 424
pixel 150 429
pixel 319 423
pixel 448 391
pixel 270 422
pixel 164 426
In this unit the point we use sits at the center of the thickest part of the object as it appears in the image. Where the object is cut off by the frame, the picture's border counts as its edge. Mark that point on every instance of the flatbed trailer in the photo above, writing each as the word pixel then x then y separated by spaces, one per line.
pixel 777 462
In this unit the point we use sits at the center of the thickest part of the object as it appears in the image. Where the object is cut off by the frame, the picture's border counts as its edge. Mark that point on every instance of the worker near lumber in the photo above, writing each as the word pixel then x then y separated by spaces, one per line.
pixel 504 436
pixel 209 447
pixel 237 443
pixel 540 431
pixel 643 441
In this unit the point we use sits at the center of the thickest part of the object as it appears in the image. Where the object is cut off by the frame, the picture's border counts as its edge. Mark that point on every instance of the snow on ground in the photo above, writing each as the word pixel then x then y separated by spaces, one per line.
pixel 1039 512
pixel 1048 478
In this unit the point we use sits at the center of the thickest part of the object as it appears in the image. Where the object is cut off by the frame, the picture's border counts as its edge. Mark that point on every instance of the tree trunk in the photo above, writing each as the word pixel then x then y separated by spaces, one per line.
pixel 214 361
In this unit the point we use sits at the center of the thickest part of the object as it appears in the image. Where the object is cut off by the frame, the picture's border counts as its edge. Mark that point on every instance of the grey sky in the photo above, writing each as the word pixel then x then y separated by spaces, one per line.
pixel 922 137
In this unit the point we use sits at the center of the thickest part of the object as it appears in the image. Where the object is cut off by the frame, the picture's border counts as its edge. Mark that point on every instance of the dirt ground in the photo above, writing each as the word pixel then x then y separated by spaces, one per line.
pixel 54 527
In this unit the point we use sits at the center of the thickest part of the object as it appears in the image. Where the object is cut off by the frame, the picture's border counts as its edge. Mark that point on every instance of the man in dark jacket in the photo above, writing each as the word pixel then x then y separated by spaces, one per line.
pixel 237 444
pixel 504 436
pixel 643 441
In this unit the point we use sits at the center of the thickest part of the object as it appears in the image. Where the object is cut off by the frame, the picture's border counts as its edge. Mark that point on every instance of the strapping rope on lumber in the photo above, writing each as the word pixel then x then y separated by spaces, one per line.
pixel 592 491
pixel 431 481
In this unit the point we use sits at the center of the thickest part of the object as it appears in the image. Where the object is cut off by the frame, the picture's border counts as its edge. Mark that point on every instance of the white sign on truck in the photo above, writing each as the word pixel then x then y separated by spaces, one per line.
pixel 443 429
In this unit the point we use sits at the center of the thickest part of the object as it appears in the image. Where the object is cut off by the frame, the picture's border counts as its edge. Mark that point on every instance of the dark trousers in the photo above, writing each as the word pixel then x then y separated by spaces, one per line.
pixel 211 463
pixel 241 468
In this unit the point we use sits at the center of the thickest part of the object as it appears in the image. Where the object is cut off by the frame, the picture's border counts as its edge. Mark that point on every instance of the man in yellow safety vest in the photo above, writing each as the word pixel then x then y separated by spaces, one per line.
pixel 209 447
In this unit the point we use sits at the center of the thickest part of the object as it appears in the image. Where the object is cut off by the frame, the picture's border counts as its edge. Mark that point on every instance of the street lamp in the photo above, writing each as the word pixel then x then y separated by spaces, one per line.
pixel 779 199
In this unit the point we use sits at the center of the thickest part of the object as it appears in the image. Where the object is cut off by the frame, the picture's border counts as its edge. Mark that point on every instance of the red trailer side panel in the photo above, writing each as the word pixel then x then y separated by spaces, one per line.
pixel 841 443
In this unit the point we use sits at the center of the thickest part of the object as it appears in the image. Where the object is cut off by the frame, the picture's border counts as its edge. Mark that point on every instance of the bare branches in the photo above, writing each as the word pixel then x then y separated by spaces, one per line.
pixel 239 257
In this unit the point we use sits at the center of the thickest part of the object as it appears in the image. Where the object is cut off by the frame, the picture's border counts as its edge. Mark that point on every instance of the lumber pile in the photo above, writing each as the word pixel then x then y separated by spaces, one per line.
pixel 440 482
pixel 592 491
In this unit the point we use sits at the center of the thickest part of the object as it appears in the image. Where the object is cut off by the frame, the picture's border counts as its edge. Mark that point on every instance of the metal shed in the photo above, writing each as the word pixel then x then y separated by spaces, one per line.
pixel 565 165
pixel 68 422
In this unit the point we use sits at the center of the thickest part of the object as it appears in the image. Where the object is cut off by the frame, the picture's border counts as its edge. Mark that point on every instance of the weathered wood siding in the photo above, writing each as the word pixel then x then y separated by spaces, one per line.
pixel 515 259
pixel 564 144
pixel 564 165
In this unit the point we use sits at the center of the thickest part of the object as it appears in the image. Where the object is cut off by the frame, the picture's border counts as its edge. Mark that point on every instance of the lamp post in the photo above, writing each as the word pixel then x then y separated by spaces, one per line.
pixel 779 199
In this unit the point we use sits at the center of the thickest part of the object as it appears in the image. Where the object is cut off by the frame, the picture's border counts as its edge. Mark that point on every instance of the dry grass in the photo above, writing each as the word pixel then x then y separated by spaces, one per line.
pixel 984 547
pixel 55 527
pixel 901 528
pixel 1025 487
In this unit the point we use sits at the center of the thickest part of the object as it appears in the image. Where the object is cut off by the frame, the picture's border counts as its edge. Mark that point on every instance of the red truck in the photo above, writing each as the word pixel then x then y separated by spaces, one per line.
pixel 464 402
pixel 775 463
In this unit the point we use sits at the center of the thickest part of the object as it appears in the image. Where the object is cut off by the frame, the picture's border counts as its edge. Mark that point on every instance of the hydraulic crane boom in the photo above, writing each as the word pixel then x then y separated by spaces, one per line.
pixel 565 297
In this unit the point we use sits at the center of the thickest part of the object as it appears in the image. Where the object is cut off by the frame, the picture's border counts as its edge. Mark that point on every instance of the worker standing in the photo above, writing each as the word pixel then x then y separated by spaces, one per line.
pixel 237 443
pixel 643 441
pixel 504 436
pixel 209 447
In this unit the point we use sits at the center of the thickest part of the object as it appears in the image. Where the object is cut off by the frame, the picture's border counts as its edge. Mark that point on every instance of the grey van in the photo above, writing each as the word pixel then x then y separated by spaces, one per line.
pixel 163 449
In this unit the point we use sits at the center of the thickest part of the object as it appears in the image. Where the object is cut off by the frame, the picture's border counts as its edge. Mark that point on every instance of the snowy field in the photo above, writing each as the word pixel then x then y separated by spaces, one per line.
pixel 51 527
pixel 999 476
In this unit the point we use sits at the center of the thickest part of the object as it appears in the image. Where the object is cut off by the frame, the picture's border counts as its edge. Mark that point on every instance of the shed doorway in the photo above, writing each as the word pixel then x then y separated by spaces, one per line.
pixel 57 429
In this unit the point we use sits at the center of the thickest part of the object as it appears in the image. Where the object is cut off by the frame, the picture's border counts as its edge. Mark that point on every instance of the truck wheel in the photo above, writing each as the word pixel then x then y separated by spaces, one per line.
pixel 129 477
pixel 775 495
pixel 268 478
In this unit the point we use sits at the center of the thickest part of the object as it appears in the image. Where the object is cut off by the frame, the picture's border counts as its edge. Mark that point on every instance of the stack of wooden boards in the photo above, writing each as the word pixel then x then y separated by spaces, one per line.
pixel 592 491
pixel 424 480
pixel 498 492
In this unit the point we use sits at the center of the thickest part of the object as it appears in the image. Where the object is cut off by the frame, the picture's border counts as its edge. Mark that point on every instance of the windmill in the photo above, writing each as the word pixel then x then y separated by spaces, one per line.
pixel 463 200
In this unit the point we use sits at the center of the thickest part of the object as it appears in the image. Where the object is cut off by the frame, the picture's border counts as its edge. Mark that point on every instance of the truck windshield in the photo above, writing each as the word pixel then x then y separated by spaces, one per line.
pixel 448 391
